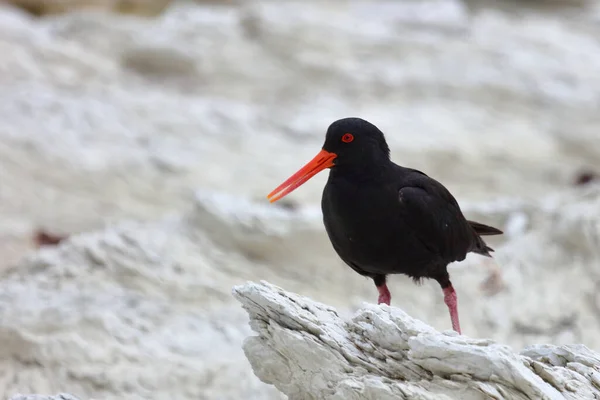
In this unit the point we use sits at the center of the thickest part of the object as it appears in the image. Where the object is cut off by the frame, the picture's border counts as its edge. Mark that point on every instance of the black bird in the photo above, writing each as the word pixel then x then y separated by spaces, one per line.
pixel 385 219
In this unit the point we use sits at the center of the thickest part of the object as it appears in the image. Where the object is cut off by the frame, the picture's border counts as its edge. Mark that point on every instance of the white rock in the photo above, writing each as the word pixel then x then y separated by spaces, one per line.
pixel 61 396
pixel 307 350
pixel 129 312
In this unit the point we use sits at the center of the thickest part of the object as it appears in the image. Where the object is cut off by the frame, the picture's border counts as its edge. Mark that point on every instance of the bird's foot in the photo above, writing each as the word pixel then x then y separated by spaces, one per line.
pixel 451 301
pixel 385 296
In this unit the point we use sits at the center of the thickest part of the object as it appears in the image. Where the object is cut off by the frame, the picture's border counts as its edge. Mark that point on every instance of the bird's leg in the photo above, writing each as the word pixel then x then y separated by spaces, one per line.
pixel 385 296
pixel 449 297
pixel 451 301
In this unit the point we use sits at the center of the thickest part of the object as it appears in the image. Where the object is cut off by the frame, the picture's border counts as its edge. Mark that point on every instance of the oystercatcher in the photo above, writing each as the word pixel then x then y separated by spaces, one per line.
pixel 383 218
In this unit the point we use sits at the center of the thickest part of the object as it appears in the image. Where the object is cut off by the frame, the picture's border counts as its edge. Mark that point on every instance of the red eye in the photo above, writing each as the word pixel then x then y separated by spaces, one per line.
pixel 347 138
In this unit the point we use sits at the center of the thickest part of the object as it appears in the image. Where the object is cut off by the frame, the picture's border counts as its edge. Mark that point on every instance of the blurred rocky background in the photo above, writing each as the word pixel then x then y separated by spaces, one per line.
pixel 138 140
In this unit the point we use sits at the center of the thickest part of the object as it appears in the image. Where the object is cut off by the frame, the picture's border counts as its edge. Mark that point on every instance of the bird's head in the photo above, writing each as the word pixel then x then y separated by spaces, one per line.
pixel 350 143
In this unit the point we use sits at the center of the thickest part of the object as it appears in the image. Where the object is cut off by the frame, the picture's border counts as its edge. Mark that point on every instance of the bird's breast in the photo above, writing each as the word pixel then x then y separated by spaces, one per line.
pixel 362 221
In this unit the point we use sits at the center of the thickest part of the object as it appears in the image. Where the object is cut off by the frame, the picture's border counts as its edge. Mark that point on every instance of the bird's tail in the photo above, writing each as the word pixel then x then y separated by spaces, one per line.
pixel 483 230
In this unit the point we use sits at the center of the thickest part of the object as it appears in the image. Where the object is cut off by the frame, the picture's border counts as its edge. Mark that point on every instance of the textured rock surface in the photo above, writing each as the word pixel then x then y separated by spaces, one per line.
pixel 129 312
pixel 307 350
pixel 60 396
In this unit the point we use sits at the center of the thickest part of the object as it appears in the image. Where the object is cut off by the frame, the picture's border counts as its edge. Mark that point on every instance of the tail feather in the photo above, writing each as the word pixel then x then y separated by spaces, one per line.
pixel 484 230
pixel 483 250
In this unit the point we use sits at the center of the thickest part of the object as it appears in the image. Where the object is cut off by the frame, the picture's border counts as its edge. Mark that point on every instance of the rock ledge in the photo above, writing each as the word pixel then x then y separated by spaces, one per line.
pixel 308 351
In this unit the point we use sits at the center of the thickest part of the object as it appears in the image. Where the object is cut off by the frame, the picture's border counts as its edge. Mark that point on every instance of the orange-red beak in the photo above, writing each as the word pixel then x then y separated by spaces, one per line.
pixel 321 161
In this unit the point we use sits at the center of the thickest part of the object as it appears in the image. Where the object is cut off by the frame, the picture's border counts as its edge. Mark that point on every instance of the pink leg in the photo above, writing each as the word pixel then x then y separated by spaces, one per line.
pixel 452 302
pixel 384 295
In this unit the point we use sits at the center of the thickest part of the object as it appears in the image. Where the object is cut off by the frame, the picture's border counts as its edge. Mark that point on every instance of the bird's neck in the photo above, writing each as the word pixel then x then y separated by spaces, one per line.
pixel 373 172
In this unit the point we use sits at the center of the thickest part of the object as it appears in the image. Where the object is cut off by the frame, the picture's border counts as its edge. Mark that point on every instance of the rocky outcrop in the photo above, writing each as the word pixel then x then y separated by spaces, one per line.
pixel 308 351
pixel 128 312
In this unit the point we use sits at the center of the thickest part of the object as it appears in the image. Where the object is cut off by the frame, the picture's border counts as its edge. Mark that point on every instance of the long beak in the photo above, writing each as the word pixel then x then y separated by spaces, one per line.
pixel 321 161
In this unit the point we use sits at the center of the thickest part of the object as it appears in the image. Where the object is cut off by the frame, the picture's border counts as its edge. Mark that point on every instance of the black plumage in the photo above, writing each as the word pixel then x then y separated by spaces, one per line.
pixel 383 218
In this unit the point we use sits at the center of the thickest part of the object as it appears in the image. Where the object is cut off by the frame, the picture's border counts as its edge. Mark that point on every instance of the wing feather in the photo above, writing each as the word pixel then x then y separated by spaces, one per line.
pixel 436 221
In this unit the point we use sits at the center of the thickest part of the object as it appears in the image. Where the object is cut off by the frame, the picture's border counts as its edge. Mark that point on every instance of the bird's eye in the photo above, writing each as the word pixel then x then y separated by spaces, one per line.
pixel 347 138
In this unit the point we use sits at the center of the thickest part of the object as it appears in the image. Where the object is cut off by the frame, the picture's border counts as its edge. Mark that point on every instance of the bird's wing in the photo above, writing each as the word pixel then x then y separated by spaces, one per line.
pixel 435 219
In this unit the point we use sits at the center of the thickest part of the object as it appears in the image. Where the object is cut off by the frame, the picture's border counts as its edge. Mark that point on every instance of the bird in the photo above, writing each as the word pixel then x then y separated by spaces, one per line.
pixel 382 218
